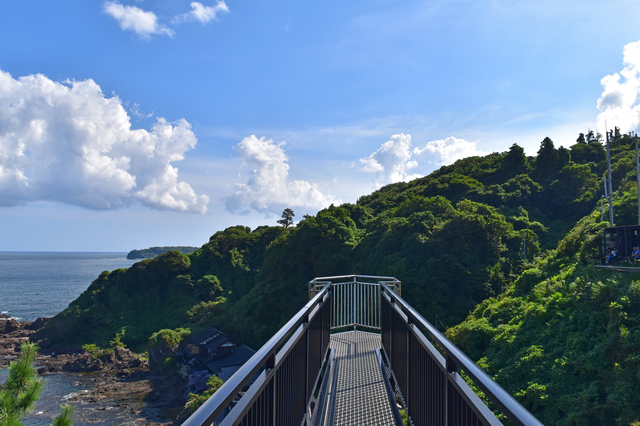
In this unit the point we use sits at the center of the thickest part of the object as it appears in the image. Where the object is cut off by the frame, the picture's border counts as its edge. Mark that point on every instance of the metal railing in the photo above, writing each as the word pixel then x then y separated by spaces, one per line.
pixel 290 364
pixel 356 299
pixel 287 366
pixel 432 389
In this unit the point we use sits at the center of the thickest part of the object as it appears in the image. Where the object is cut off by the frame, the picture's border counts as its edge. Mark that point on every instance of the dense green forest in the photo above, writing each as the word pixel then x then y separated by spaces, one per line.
pixel 154 251
pixel 558 335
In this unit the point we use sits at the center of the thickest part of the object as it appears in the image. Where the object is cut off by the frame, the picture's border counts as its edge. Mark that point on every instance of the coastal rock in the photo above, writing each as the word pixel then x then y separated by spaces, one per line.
pixel 83 363
pixel 13 334
pixel 37 324
pixel 121 378
pixel 10 325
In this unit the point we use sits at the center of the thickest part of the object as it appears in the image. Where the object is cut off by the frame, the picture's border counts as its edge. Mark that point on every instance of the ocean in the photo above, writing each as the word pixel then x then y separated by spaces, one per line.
pixel 41 284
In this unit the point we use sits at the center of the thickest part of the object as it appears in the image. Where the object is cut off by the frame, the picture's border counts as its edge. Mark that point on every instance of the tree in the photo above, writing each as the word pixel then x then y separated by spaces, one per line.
pixel 546 161
pixel 515 162
pixel 588 149
pixel 564 157
pixel 593 139
pixel 196 400
pixel 22 389
pixel 287 218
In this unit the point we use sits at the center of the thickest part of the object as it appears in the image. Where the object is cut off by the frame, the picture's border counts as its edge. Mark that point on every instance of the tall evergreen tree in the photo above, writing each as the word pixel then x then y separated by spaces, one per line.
pixel 546 161
pixel 22 389
pixel 287 218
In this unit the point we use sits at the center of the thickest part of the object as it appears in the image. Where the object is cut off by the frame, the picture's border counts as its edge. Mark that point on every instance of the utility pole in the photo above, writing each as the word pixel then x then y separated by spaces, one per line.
pixel 635 136
pixel 601 205
pixel 610 186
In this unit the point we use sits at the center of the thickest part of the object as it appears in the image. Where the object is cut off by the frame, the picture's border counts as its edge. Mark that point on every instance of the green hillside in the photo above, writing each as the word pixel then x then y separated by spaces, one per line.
pixel 454 239
pixel 150 252
pixel 564 337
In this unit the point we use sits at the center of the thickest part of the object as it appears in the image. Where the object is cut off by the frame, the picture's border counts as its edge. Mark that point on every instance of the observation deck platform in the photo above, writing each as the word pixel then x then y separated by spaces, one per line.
pixel 360 392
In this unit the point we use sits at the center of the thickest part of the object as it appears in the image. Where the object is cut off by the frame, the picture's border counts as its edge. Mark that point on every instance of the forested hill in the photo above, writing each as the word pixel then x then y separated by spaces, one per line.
pixel 454 239
pixel 154 251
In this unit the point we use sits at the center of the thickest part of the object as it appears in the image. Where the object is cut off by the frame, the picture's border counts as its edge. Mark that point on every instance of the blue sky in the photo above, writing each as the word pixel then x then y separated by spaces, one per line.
pixel 128 124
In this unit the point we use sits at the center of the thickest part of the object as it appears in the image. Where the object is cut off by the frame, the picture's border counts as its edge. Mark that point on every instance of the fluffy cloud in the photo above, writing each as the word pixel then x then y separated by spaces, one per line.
pixel 268 189
pixel 446 151
pixel 202 13
pixel 618 104
pixel 68 143
pixel 391 162
pixel 395 158
pixel 135 19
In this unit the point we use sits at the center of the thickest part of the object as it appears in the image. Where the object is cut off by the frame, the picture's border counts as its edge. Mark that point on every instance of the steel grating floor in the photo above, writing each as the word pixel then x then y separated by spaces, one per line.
pixel 361 397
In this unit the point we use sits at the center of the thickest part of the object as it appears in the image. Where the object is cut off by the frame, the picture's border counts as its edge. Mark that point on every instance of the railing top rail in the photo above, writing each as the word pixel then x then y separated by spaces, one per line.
pixel 214 406
pixel 505 402
pixel 342 277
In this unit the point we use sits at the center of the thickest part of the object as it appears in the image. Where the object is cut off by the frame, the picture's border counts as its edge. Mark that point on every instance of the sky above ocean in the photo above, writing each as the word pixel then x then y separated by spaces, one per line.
pixel 130 124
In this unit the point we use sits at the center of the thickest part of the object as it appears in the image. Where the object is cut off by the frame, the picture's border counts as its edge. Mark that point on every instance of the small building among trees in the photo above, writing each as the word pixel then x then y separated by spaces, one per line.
pixel 213 350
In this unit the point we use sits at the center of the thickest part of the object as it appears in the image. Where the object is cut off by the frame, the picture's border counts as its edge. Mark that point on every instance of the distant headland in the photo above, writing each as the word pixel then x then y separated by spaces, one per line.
pixel 154 251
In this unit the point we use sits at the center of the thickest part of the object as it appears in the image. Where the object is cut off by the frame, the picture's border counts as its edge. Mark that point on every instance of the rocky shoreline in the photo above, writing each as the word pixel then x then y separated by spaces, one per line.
pixel 118 385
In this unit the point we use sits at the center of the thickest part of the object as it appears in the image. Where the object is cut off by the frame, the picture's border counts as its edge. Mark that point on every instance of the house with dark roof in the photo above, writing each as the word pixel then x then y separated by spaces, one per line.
pixel 214 350
pixel 224 366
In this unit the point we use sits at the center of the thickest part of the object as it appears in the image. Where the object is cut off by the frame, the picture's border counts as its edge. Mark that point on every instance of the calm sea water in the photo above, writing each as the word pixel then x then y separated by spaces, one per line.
pixel 41 284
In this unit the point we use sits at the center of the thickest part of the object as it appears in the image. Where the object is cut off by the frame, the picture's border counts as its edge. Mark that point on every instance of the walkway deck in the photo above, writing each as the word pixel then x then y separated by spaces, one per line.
pixel 360 387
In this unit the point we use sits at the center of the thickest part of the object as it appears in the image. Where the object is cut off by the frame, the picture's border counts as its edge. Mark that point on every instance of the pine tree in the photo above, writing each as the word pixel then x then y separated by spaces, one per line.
pixel 22 389
pixel 287 218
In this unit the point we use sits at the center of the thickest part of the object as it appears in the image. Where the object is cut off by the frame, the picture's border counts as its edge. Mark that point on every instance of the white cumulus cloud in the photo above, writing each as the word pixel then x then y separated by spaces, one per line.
pixel 202 13
pixel 397 161
pixel 68 143
pixel 446 151
pixel 618 103
pixel 133 18
pixel 391 162
pixel 268 189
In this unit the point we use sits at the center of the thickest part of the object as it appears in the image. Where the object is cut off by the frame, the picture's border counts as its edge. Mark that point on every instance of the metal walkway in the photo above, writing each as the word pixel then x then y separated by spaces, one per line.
pixel 360 387
pixel 306 376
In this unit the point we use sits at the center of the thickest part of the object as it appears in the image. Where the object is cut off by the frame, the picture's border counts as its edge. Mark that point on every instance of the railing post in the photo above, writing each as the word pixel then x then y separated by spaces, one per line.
pixel 353 306
pixel 306 364
pixel 270 364
pixel 410 322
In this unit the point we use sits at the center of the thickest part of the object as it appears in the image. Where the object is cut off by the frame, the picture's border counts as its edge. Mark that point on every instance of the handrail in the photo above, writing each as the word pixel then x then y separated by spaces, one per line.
pixel 220 400
pixel 339 277
pixel 515 412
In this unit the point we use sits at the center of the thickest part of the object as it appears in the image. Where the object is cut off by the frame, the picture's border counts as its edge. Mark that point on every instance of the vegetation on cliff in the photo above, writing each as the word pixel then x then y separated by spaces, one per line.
pixel 553 331
pixel 564 338
pixel 155 251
